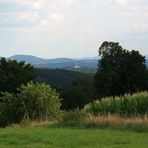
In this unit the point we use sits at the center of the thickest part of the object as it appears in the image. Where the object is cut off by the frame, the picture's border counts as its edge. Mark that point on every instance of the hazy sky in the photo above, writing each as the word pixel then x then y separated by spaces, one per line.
pixel 71 28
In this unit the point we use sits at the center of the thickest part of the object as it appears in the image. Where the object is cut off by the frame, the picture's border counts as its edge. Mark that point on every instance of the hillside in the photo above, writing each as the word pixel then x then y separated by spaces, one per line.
pixel 29 59
pixel 62 63
pixel 58 78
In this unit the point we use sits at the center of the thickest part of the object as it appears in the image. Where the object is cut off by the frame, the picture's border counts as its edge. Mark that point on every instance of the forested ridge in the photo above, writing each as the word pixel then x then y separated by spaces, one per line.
pixel 58 78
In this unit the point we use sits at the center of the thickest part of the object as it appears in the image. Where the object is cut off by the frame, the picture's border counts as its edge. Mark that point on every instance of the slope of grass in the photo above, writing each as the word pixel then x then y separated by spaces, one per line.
pixel 47 137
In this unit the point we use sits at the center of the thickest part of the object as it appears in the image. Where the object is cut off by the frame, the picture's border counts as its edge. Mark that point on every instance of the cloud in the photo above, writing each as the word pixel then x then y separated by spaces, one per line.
pixel 121 2
pixel 141 26
pixel 29 15
pixel 136 12
pixel 41 4
pixel 31 22
pixel 133 8
pixel 56 17
pixel 20 16
pixel 73 24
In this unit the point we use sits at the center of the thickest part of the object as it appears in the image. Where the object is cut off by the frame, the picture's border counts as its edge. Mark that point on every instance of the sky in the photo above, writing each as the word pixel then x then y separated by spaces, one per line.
pixel 71 28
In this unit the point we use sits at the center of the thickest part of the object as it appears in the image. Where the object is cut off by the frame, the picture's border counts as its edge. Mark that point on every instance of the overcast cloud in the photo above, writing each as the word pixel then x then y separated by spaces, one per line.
pixel 71 28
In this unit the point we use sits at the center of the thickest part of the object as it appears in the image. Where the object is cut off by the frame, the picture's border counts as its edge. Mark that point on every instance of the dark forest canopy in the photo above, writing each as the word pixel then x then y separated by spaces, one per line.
pixel 13 74
pixel 120 71
pixel 58 78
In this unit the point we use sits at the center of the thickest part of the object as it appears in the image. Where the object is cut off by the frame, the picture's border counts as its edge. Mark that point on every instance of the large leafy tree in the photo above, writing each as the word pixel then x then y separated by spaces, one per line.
pixel 120 71
pixel 13 74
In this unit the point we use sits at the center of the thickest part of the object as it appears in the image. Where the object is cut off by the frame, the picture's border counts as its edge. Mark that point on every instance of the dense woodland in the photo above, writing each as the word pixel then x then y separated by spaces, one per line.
pixel 75 88
pixel 58 78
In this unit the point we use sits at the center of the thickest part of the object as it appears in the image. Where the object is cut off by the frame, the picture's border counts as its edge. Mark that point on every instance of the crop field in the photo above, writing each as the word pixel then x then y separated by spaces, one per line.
pixel 128 105
pixel 47 137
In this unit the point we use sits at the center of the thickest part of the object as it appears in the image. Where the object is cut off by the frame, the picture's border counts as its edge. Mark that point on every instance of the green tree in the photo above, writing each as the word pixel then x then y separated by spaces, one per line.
pixel 11 110
pixel 33 102
pixel 13 74
pixel 120 71
pixel 78 94
pixel 41 102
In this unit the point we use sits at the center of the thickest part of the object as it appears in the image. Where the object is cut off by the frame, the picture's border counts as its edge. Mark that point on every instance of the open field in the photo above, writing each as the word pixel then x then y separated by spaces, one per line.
pixel 47 137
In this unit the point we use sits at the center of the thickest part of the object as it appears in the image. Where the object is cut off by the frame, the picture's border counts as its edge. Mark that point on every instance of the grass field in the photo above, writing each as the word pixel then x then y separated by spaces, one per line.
pixel 47 137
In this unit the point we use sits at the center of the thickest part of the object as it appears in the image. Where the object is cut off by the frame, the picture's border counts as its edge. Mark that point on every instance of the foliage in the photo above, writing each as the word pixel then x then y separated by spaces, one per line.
pixel 79 93
pixel 128 105
pixel 33 102
pixel 57 78
pixel 120 71
pixel 11 109
pixel 13 74
pixel 76 88
pixel 40 101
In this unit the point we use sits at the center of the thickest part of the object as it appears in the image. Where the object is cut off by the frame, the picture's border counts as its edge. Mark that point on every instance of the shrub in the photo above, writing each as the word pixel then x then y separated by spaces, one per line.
pixel 33 102
pixel 40 101
pixel 10 109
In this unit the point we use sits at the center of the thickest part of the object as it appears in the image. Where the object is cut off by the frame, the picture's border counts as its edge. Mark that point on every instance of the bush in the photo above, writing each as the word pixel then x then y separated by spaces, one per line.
pixel 40 101
pixel 11 109
pixel 33 102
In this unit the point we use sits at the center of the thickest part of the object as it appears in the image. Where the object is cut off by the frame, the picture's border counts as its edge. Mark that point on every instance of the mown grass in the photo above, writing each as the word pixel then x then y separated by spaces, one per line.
pixel 49 137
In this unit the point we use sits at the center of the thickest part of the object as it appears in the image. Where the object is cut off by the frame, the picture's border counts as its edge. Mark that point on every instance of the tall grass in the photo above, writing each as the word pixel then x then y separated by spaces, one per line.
pixel 128 105
pixel 137 123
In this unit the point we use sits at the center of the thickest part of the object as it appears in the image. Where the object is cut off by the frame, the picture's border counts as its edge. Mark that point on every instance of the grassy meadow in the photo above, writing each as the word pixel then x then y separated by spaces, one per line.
pixel 47 137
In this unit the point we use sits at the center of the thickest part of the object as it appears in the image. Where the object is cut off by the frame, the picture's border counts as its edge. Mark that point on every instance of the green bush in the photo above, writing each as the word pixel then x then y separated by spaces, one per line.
pixel 40 101
pixel 11 109
pixel 128 105
pixel 33 102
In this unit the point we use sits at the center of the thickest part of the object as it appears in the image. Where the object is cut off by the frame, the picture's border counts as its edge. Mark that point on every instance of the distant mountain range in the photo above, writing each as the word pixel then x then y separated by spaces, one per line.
pixel 61 63
pixel 89 62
